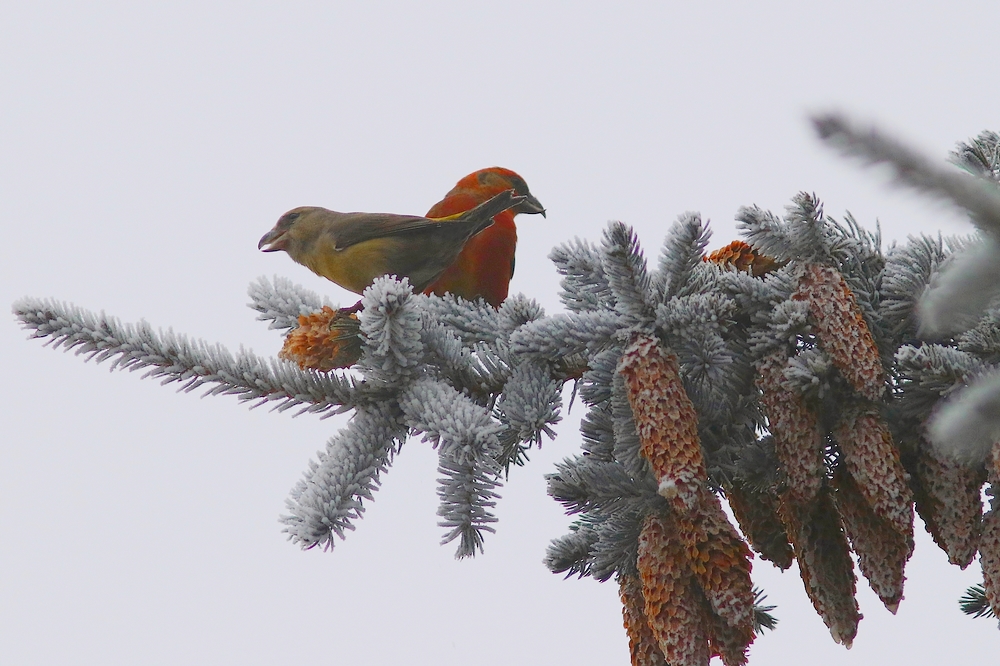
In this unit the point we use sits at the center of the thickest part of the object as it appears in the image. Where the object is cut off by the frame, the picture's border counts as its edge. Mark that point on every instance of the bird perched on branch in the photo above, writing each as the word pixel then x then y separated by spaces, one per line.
pixel 352 249
pixel 486 263
pixel 331 339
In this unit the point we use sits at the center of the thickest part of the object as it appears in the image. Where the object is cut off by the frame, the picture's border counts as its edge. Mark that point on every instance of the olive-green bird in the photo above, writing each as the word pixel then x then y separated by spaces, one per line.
pixel 352 249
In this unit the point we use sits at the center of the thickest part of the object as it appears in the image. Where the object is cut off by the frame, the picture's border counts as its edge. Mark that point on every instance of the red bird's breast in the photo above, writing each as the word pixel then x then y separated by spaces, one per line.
pixel 485 266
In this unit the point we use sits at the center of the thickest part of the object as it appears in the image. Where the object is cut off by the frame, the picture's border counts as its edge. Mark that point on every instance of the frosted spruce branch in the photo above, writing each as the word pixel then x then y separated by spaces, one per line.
pixel 429 365
pixel 531 402
pixel 627 274
pixel 281 302
pixel 329 498
pixel 461 429
pixel 961 291
pixel 172 357
pixel 967 426
pixel 585 283
pixel 958 295
pixel 980 197
pixel 565 334
pixel 682 252
pixel 960 287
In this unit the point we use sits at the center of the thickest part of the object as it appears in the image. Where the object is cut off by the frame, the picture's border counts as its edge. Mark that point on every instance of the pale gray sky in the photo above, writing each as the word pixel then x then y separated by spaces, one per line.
pixel 143 151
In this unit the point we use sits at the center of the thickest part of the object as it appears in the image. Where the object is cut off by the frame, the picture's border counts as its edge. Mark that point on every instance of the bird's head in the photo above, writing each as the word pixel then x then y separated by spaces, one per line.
pixel 495 180
pixel 294 230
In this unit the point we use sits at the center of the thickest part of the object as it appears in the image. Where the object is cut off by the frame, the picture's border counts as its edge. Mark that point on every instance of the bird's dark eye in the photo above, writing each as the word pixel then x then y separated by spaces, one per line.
pixel 291 217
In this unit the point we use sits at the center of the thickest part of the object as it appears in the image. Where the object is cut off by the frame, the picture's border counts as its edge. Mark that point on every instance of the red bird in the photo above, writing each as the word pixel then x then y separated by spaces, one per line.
pixel 486 264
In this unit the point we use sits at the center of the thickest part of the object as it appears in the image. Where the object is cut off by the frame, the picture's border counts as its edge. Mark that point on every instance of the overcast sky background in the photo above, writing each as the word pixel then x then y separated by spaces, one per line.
pixel 145 149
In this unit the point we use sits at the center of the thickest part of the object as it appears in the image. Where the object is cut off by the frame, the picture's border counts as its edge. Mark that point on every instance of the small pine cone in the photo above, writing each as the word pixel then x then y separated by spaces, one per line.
pixel 798 440
pixel 841 329
pixel 948 499
pixel 665 421
pixel 674 605
pixel 824 558
pixel 882 551
pixel 642 644
pixel 725 641
pixel 744 258
pixel 989 557
pixel 873 460
pixel 720 561
pixel 757 513
pixel 324 340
